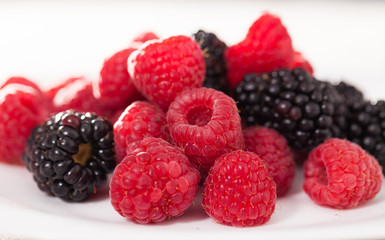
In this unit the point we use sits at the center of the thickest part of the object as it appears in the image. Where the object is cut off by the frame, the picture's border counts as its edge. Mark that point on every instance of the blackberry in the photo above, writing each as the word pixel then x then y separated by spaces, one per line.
pixel 70 154
pixel 216 69
pixel 349 93
pixel 306 111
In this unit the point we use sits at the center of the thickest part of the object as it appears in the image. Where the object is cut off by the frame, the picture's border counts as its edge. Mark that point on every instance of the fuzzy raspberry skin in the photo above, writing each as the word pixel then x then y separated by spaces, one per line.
pixel 22 107
pixel 239 191
pixel 205 123
pixel 275 153
pixel 139 120
pixel 340 174
pixel 76 93
pixel 160 69
pixel 267 47
pixel 301 62
pixel 155 181
pixel 114 88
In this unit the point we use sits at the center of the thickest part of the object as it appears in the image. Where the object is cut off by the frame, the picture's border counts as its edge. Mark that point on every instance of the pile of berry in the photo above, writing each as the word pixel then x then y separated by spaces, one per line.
pixel 192 110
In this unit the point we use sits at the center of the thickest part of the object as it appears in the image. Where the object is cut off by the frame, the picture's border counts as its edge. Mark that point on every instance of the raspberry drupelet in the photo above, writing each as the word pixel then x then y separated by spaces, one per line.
pixel 205 123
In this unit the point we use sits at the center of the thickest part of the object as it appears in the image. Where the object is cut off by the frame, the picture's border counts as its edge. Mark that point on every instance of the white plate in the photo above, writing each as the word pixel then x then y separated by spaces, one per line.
pixel 48 42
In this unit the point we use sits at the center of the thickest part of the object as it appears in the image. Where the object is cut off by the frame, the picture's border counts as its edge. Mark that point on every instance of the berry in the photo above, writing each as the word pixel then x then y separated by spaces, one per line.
pixel 267 47
pixel 301 62
pixel 160 69
pixel 304 110
pixel 76 93
pixel 216 69
pixel 21 81
pixel 349 93
pixel 340 174
pixel 114 87
pixel 205 123
pixel 275 153
pixel 22 107
pixel 70 154
pixel 144 37
pixel 239 191
pixel 154 181
pixel 139 120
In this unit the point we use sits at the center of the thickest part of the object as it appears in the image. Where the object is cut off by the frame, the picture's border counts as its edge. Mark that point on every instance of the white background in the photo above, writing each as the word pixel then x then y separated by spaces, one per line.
pixel 51 41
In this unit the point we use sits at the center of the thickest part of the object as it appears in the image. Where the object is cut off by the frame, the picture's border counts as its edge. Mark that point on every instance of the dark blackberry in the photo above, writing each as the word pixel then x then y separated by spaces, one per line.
pixel 349 93
pixel 306 111
pixel 216 69
pixel 366 127
pixel 70 154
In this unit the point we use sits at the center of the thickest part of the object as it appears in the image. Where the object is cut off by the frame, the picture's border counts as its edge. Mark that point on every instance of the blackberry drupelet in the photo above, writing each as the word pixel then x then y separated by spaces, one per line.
pixel 216 69
pixel 366 127
pixel 70 154
pixel 306 111
pixel 349 93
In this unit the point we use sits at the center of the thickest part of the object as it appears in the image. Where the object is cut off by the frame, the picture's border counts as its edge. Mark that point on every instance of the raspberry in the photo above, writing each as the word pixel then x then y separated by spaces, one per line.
pixel 272 148
pixel 154 181
pixel 75 93
pixel 205 123
pixel 267 47
pixel 70 154
pixel 139 120
pixel 160 69
pixel 22 81
pixel 114 87
pixel 304 110
pixel 341 174
pixel 144 37
pixel 22 107
pixel 216 70
pixel 239 191
pixel 301 62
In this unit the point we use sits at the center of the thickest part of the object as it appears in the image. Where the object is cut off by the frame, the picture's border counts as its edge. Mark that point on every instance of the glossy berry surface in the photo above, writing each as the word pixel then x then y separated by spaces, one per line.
pixel 161 69
pixel 139 120
pixel 70 154
pixel 239 191
pixel 205 123
pixel 154 182
pixel 340 174
pixel 275 153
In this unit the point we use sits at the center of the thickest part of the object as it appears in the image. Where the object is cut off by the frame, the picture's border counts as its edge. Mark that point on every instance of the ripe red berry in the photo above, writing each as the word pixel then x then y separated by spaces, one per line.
pixel 114 88
pixel 300 61
pixel 341 174
pixel 161 69
pixel 205 123
pixel 267 47
pixel 275 153
pixel 239 191
pixel 22 81
pixel 139 120
pixel 144 37
pixel 155 181
pixel 22 107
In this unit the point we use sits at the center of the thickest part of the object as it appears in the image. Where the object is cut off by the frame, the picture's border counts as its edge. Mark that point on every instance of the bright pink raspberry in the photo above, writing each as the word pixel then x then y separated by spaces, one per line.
pixel 267 47
pixel 206 124
pixel 155 181
pixel 139 120
pixel 160 69
pixel 275 153
pixel 22 107
pixel 340 174
pixel 239 190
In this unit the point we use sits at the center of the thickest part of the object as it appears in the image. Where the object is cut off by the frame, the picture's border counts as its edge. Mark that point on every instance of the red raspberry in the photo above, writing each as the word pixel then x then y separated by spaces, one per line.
pixel 139 120
pixel 153 182
pixel 275 153
pixel 114 87
pixel 161 69
pixel 144 37
pixel 206 124
pixel 267 47
pixel 239 191
pixel 51 93
pixel 22 107
pixel 76 93
pixel 340 174
pixel 300 61
pixel 22 81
